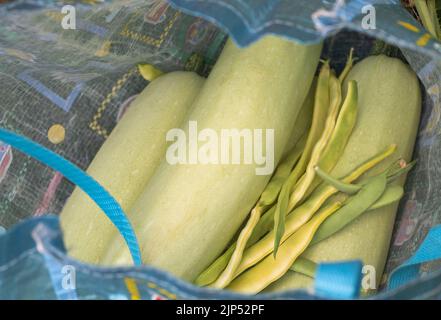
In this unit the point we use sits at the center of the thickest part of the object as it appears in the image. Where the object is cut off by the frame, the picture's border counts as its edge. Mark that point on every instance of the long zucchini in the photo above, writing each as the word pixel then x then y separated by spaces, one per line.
pixel 189 212
pixel 127 160
pixel 389 113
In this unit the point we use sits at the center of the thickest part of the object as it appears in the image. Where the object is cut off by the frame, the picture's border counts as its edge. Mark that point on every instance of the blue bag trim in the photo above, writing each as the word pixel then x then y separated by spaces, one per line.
pixel 429 250
pixel 339 280
pixel 248 21
pixel 89 185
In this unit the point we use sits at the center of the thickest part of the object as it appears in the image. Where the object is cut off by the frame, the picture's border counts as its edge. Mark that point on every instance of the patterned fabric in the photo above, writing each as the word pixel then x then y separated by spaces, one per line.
pixel 80 81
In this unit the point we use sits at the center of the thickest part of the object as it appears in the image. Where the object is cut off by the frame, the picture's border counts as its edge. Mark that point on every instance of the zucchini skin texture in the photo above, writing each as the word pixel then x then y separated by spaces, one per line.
pixel 188 213
pixel 389 113
pixel 127 160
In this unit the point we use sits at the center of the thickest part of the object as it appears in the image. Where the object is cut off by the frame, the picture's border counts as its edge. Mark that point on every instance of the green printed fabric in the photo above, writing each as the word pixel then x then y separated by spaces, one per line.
pixel 81 80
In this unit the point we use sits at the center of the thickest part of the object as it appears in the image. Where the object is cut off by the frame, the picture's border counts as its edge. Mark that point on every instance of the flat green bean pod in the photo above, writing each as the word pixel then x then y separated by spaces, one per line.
pixel 392 194
pixel 397 169
pixel 270 269
pixel 359 203
pixel 210 274
pixel 348 188
pixel 356 205
pixel 305 267
pixel 272 190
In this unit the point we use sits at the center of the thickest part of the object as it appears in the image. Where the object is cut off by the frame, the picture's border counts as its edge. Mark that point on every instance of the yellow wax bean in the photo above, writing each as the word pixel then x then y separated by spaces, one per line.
pixel 270 269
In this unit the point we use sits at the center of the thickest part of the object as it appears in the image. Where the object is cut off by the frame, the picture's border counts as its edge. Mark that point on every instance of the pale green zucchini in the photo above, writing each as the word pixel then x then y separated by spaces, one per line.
pixel 188 213
pixel 127 160
pixel 389 113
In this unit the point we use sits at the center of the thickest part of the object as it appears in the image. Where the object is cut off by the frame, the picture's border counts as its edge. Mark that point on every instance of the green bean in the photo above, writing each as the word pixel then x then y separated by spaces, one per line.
pixel 270 269
pixel 344 216
pixel 351 99
pixel 264 225
pixel 348 188
pixel 304 266
pixel 285 203
pixel 227 275
pixel 340 136
pixel 356 205
pixel 348 66
pixel 210 274
pixel 397 169
pixel 400 169
pixel 370 163
pixel 392 194
pixel 272 190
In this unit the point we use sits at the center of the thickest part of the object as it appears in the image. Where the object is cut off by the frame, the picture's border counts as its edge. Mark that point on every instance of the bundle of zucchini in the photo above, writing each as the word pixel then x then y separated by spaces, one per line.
pixel 127 160
pixel 342 145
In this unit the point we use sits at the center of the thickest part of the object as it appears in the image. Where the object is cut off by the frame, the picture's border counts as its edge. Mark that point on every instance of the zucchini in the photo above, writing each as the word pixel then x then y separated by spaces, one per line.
pixel 189 212
pixel 389 113
pixel 303 121
pixel 127 160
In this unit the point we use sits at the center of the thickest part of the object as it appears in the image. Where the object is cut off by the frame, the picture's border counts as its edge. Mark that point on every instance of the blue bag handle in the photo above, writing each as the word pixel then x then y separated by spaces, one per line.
pixel 338 280
pixel 89 185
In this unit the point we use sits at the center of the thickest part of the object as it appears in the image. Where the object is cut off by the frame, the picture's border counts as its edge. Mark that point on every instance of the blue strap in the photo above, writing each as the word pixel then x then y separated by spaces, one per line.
pixel 91 187
pixel 338 280
pixel 429 250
